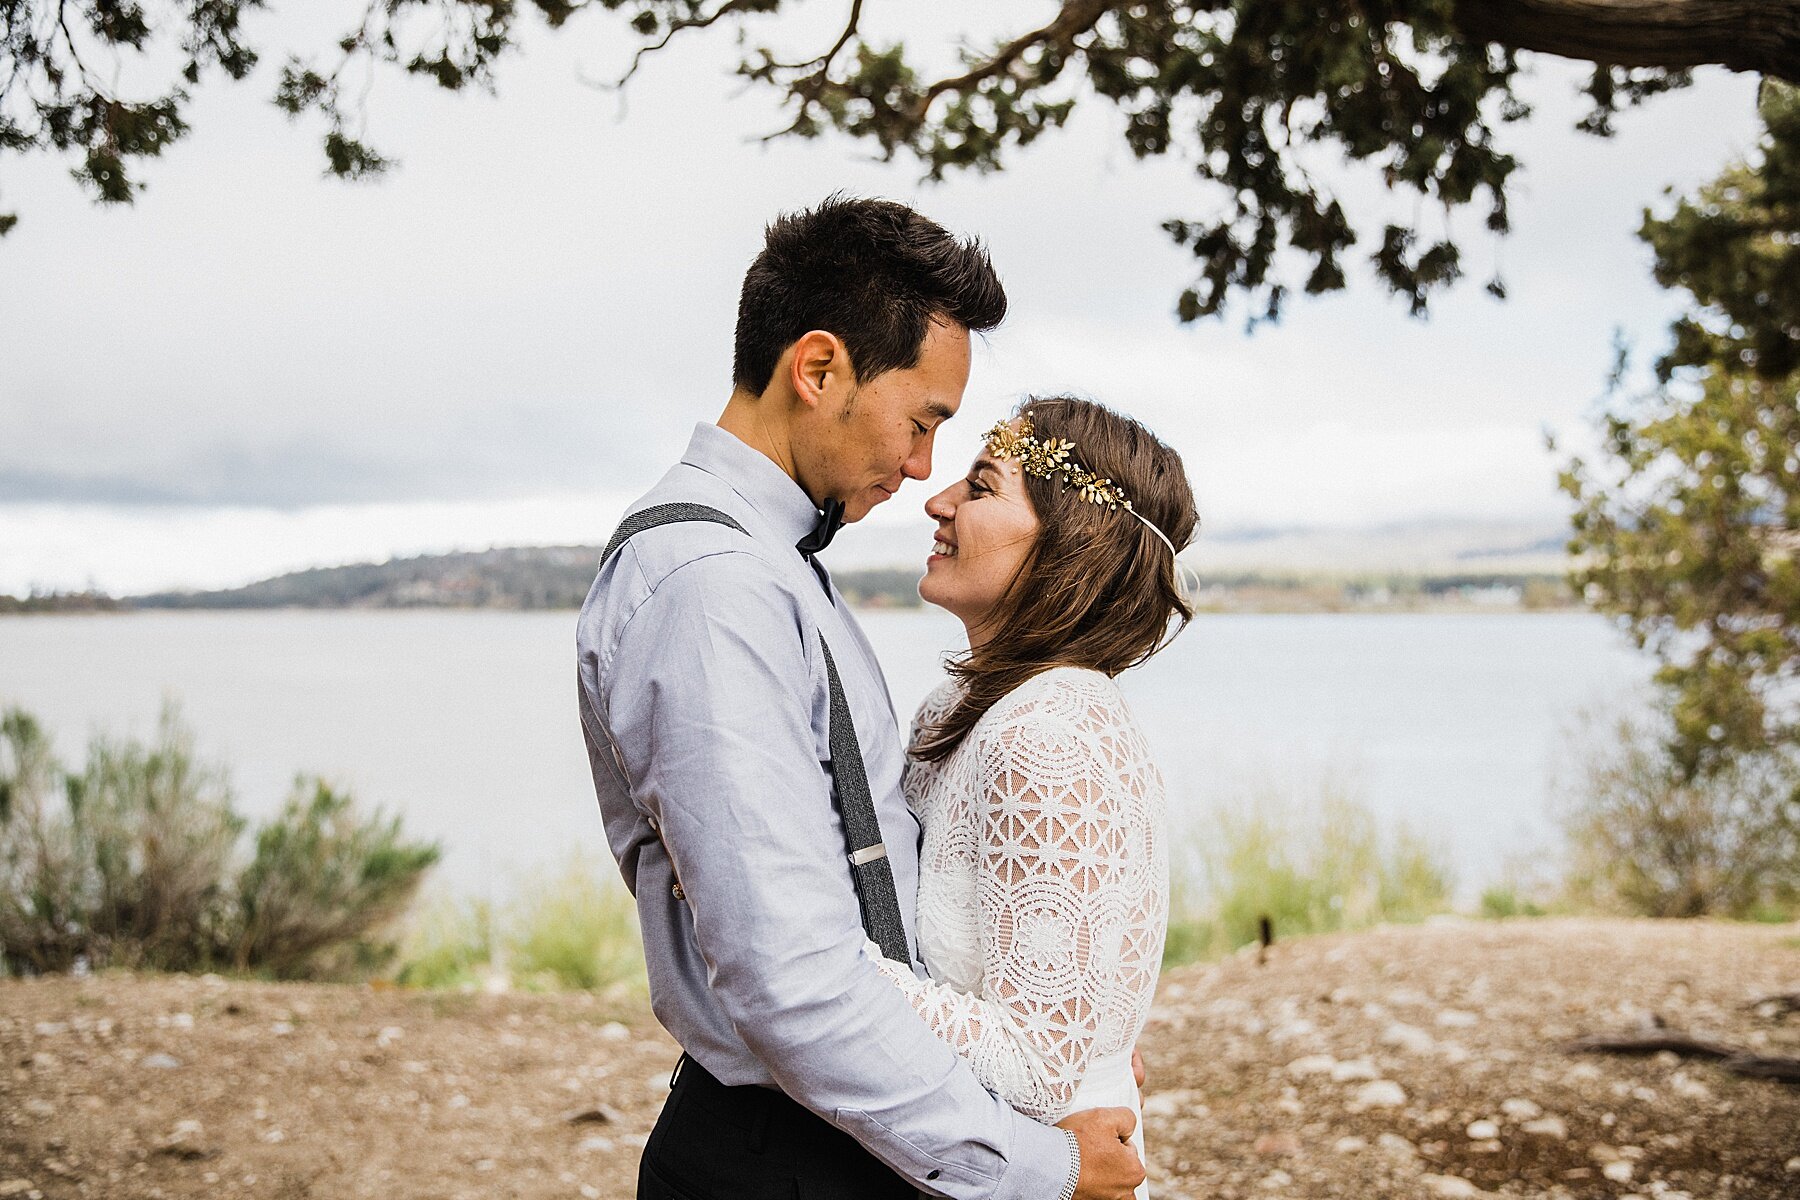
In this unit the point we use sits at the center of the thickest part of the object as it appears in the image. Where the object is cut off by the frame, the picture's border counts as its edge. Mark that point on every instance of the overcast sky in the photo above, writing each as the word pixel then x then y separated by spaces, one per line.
pixel 502 342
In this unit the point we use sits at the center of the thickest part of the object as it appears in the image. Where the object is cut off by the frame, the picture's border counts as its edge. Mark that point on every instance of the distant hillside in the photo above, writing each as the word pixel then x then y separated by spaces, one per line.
pixel 521 578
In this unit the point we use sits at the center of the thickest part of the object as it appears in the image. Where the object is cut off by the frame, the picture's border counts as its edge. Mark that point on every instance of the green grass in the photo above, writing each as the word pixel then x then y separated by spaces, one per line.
pixel 1313 867
pixel 575 928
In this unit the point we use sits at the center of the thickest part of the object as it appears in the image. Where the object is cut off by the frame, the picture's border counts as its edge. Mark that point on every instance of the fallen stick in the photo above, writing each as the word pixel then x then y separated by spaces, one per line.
pixel 1733 1058
pixel 1650 1043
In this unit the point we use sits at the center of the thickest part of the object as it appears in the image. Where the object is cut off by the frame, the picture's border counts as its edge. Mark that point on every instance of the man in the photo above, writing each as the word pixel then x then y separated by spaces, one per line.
pixel 719 672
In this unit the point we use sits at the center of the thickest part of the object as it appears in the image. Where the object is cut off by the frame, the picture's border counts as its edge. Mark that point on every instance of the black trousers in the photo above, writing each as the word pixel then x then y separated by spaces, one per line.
pixel 714 1142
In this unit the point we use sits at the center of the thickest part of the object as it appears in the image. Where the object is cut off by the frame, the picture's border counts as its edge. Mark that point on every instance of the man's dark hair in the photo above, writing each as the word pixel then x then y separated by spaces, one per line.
pixel 873 272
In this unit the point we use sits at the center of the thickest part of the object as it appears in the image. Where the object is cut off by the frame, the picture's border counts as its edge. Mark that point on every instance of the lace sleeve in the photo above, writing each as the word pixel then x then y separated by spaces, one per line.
pixel 1053 922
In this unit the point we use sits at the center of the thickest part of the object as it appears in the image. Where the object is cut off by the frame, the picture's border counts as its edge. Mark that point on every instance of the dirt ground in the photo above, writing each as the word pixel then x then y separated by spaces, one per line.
pixel 1406 1062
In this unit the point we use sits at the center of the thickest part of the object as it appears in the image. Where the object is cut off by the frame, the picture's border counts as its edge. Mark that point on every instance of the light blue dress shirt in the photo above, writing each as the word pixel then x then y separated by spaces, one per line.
pixel 706 716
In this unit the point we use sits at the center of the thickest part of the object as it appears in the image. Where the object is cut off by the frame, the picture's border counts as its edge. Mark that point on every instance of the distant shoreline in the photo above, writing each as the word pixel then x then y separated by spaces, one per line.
pixel 556 578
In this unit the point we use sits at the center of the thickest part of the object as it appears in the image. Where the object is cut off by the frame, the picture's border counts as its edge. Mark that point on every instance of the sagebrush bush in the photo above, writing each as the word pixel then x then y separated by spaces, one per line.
pixel 323 882
pixel 134 861
pixel 1645 839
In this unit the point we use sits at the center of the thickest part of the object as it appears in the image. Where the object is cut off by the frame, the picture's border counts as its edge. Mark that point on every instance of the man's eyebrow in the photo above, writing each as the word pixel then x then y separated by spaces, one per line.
pixel 940 410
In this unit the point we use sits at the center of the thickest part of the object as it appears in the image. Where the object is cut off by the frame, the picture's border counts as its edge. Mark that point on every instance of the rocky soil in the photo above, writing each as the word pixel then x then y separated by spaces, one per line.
pixel 1405 1062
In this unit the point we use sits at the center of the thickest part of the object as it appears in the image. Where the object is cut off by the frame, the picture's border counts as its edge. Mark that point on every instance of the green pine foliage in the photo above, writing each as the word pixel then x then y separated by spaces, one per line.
pixel 1688 527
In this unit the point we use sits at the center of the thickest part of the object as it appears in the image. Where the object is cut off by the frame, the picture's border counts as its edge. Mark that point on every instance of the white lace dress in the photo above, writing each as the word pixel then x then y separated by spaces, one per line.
pixel 1043 893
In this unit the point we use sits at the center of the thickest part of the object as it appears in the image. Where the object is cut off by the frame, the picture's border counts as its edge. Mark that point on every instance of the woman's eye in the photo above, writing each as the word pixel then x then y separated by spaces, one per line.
pixel 977 489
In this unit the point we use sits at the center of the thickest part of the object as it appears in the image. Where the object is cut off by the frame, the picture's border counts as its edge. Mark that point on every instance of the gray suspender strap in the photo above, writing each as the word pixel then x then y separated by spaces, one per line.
pixel 870 871
pixel 869 866
pixel 663 514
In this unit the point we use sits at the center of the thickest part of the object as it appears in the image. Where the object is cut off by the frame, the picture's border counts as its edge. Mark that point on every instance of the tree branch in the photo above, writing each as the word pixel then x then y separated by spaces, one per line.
pixel 1075 19
pixel 1743 35
pixel 677 26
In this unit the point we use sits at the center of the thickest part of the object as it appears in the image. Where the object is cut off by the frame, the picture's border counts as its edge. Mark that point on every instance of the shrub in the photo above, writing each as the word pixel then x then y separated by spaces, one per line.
pixel 42 887
pixel 322 883
pixel 450 944
pixel 1645 839
pixel 133 862
pixel 154 831
pixel 1309 871
pixel 575 929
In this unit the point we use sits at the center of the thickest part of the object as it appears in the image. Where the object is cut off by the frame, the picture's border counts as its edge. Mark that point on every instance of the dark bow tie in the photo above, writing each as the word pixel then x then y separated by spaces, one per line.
pixel 831 519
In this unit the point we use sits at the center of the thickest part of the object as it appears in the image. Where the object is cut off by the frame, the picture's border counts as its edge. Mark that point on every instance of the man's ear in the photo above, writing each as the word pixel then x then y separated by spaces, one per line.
pixel 819 370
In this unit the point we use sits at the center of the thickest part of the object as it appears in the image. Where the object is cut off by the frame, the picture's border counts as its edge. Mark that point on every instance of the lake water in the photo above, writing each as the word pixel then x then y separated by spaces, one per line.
pixel 465 721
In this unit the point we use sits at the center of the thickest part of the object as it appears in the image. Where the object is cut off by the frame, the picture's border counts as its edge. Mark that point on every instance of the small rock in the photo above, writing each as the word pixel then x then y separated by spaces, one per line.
pixel 1276 1179
pixel 1666 1058
pixel 1486 1146
pixel 1600 1152
pixel 183 1141
pixel 1483 1131
pixel 1381 1093
pixel 595 1145
pixel 1449 1187
pixel 282 1028
pixel 612 1031
pixel 1409 1038
pixel 1618 1172
pixel 1350 1145
pixel 1793 1165
pixel 1177 1103
pixel 37 1107
pixel 1354 1069
pixel 600 1114
pixel 1554 1128
pixel 16 1187
pixel 1517 1109
pixel 1312 1064
pixel 1582 1071
pixel 181 1020
pixel 1453 1018
pixel 1277 1145
pixel 1688 1087
pixel 1395 1146
pixel 159 1062
pixel 389 1035
pixel 50 1028
pixel 485 1164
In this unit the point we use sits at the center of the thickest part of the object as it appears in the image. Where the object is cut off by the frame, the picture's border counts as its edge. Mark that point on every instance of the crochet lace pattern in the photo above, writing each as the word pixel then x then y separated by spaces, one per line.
pixel 1043 886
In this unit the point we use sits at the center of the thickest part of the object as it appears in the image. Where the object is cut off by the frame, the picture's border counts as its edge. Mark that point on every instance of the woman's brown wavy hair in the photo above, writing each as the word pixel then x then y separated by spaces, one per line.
pixel 1096 589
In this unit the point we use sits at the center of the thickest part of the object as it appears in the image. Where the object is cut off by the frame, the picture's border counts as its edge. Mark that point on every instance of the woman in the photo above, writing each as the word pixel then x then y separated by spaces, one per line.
pixel 1043 890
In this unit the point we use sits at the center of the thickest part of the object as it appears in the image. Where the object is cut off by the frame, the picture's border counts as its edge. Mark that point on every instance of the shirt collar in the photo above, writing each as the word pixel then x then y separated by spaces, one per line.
pixel 755 477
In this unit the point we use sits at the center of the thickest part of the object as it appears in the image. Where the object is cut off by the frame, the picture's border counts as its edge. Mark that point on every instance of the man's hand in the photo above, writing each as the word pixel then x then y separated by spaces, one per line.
pixel 1137 1067
pixel 1110 1169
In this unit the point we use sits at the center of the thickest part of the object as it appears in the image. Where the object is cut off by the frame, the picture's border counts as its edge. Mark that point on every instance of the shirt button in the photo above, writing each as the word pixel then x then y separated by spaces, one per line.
pixel 677 892
pixel 933 1174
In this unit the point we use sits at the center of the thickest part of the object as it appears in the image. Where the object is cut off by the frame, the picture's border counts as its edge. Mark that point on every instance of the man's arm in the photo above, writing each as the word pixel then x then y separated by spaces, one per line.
pixel 711 693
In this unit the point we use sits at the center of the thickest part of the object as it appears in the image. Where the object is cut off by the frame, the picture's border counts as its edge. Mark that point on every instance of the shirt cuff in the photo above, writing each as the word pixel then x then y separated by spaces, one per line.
pixel 1039 1165
pixel 1074 1180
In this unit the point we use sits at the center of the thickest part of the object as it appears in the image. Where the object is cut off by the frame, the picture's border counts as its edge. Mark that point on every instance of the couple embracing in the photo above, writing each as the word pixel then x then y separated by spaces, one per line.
pixel 892 968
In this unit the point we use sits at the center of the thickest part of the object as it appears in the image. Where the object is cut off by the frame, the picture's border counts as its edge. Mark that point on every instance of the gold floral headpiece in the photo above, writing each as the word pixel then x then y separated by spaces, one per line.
pixel 1045 457
pixel 1050 456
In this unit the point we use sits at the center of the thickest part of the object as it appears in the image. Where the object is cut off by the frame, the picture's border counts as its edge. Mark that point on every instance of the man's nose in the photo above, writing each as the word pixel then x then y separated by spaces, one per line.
pixel 918 463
